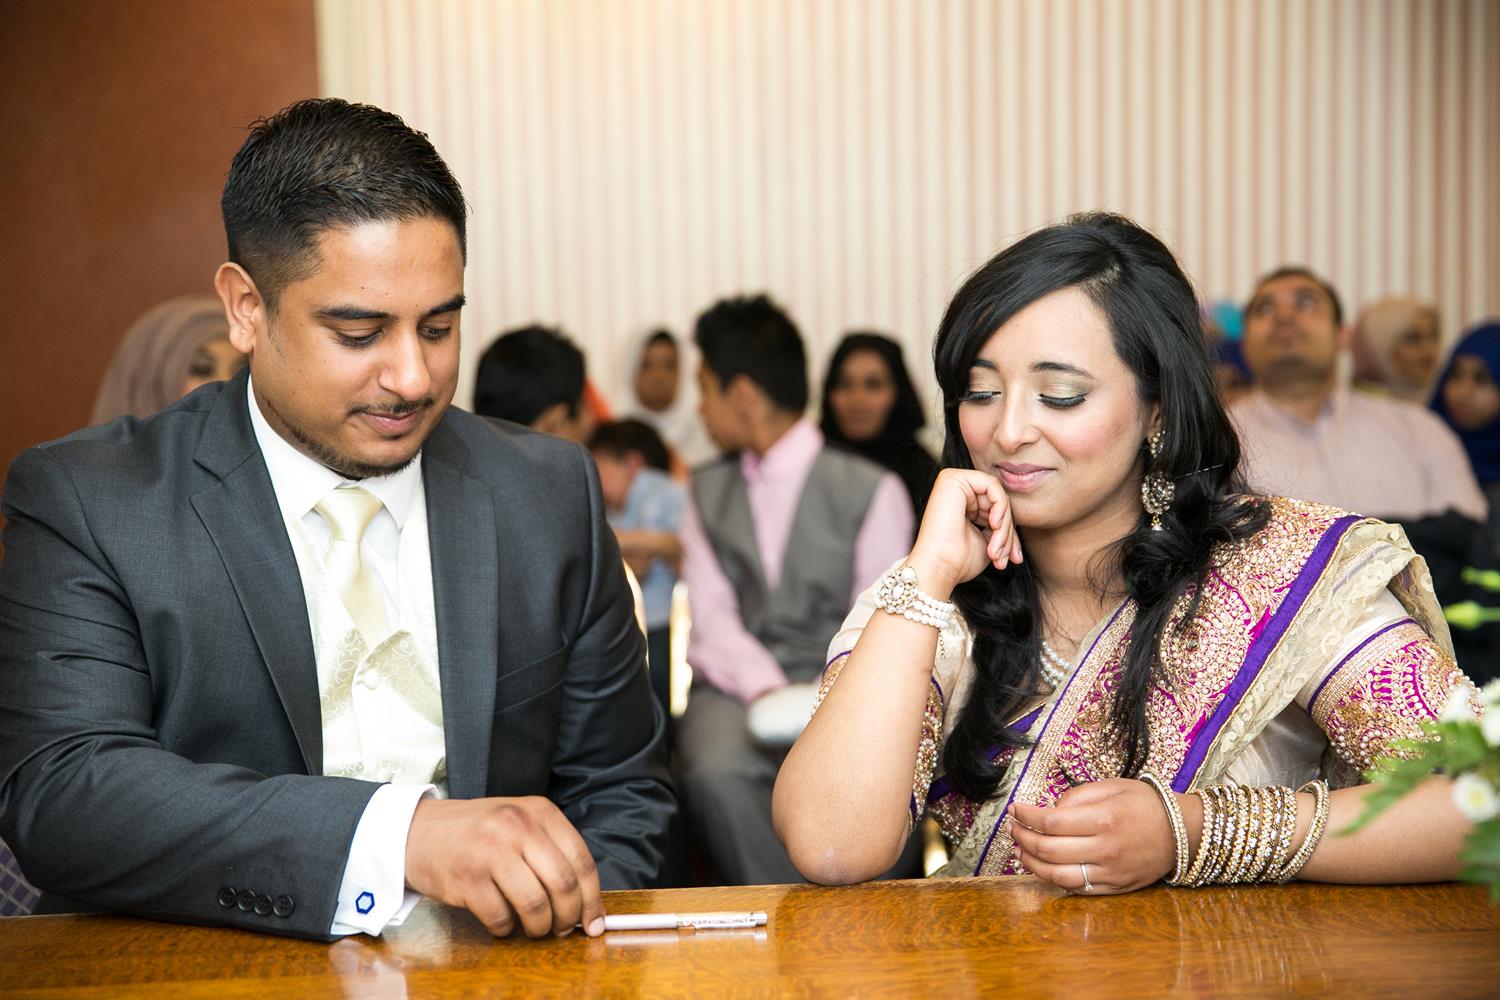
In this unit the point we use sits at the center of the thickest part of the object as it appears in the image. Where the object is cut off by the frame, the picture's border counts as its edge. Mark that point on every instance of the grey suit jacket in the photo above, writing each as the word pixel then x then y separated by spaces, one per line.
pixel 160 735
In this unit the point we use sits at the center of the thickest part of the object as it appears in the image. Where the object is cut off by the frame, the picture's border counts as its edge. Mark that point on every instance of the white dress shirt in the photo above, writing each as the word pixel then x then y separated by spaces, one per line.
pixel 373 892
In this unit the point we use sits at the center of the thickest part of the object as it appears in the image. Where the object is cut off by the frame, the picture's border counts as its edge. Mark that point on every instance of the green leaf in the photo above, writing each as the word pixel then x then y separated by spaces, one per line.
pixel 1482 847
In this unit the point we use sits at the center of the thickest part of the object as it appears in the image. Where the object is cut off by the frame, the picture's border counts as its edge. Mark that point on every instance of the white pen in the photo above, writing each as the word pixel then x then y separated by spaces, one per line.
pixel 674 921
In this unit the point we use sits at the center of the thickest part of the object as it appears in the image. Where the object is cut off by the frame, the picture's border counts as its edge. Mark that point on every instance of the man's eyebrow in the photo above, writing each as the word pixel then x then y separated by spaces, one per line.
pixel 981 363
pixel 452 305
pixel 1060 366
pixel 359 314
pixel 351 313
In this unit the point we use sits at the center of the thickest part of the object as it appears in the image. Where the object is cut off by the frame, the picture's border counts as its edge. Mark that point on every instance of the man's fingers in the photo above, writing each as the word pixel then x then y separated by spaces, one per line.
pixel 525 894
pixel 485 902
pixel 558 880
pixel 570 845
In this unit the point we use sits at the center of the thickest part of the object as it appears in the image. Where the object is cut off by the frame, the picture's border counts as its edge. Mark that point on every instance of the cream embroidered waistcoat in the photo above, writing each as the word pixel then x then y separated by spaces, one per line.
pixel 382 708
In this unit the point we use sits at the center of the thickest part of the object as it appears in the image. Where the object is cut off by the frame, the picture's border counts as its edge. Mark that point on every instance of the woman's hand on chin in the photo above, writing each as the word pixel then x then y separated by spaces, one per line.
pixel 967 525
pixel 1116 827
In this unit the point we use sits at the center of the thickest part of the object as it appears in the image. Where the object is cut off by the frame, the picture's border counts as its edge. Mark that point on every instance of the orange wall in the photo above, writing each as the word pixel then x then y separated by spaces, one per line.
pixel 117 124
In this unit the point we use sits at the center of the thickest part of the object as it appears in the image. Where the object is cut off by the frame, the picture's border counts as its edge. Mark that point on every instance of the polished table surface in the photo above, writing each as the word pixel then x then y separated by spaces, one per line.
pixel 968 937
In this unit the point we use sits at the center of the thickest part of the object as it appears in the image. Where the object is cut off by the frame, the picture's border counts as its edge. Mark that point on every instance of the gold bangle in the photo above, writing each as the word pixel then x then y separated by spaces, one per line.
pixel 1286 830
pixel 1319 791
pixel 1179 828
pixel 1218 842
pixel 1210 814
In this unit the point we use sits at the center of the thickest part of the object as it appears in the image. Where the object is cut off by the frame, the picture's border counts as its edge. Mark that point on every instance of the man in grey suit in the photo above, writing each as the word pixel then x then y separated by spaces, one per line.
pixel 308 643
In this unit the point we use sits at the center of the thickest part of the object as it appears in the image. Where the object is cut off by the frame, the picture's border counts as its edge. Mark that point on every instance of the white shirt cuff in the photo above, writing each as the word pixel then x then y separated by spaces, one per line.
pixel 373 894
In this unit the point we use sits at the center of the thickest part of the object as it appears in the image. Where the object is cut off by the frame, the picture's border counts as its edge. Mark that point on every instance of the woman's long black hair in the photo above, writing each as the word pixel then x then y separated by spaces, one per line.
pixel 1133 279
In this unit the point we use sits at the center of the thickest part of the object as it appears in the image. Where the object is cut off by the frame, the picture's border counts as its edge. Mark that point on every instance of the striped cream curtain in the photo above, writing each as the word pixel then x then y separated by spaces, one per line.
pixel 629 161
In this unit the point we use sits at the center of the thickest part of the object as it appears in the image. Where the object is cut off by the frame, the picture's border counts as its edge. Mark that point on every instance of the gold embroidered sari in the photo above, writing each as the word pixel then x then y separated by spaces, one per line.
pixel 1317 643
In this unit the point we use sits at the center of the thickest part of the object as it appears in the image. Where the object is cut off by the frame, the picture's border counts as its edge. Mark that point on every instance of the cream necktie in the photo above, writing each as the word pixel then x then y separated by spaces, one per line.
pixel 348 511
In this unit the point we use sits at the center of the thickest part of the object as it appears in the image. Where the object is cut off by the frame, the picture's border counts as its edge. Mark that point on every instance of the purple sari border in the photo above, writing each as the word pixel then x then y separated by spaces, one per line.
pixel 1334 672
pixel 942 786
pixel 1261 649
pixel 836 658
pixel 1062 697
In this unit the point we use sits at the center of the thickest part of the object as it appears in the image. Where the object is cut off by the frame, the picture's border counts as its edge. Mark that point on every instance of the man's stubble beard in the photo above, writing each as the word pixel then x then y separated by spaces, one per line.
pixel 345 465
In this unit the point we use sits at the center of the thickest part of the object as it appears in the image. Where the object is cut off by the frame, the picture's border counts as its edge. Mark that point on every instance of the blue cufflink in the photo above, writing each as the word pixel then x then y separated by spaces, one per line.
pixel 365 902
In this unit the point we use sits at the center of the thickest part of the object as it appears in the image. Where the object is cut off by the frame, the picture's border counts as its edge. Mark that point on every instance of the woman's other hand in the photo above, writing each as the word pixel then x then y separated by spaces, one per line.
pixel 1116 827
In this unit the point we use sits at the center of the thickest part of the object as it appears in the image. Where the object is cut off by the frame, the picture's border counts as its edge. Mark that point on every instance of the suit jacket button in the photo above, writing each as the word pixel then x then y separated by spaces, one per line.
pixel 245 901
pixel 283 906
pixel 226 897
pixel 262 905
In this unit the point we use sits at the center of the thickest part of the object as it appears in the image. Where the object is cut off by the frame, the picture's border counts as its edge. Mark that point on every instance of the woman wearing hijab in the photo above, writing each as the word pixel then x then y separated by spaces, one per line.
pixel 1468 400
pixel 870 407
pixel 1397 348
pixel 661 399
pixel 172 350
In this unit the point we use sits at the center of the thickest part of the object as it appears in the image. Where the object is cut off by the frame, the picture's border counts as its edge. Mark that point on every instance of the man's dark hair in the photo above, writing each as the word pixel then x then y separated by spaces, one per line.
pixel 618 438
pixel 1298 271
pixel 324 164
pixel 754 337
pixel 527 371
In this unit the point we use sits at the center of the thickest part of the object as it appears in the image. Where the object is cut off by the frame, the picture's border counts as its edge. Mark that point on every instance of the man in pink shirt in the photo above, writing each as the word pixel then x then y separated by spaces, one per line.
pixel 778 539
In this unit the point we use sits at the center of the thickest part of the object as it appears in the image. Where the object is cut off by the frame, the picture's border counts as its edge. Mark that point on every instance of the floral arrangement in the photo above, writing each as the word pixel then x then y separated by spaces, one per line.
pixel 1467 749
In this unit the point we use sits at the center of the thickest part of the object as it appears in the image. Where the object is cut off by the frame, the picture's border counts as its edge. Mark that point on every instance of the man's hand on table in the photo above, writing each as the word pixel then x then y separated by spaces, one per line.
pixel 512 862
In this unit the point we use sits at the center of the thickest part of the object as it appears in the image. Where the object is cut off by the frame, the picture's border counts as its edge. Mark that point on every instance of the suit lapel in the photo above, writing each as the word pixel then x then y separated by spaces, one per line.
pixel 466 598
pixel 242 517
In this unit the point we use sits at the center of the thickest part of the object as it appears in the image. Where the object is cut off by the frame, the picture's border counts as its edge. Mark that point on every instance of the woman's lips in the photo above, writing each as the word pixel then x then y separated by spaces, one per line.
pixel 1019 478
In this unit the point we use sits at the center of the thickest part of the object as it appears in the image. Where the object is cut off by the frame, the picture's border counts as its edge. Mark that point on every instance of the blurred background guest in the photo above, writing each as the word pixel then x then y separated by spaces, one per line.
pixel 1468 400
pixel 535 376
pixel 1397 348
pixel 870 407
pixel 170 351
pixel 1306 435
pixel 1231 374
pixel 662 398
pixel 1223 326
pixel 778 538
pixel 644 506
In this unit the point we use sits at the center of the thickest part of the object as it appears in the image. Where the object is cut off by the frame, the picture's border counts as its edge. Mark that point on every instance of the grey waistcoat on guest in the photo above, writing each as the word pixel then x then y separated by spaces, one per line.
pixel 798 619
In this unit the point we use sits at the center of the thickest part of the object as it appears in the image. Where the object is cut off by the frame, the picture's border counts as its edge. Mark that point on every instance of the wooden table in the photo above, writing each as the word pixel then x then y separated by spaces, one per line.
pixel 970 937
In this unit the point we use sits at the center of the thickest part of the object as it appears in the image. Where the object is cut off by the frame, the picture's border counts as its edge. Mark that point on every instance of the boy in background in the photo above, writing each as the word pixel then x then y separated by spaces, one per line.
pixel 644 506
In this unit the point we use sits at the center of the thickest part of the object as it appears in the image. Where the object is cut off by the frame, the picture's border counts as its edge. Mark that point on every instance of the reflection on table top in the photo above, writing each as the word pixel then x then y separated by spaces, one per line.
pixel 957 937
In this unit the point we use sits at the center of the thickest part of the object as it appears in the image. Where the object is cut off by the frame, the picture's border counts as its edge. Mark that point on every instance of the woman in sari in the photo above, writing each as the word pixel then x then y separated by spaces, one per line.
pixel 1121 609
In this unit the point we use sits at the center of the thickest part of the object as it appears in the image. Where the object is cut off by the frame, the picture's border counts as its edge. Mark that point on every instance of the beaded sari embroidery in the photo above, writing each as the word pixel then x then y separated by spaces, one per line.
pixel 1275 612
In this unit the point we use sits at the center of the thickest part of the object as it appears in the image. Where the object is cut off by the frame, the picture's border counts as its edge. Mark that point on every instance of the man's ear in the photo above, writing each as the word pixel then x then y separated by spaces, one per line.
pixel 634 461
pixel 552 420
pixel 243 306
pixel 745 398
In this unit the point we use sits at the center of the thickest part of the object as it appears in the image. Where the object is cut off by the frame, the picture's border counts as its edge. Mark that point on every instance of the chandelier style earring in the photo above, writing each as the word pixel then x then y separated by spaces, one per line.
pixel 1156 489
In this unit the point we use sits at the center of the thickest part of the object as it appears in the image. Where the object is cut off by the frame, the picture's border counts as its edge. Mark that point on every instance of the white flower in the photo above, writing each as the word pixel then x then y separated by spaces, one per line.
pixel 1490 693
pixel 1475 798
pixel 1457 708
pixel 1490 725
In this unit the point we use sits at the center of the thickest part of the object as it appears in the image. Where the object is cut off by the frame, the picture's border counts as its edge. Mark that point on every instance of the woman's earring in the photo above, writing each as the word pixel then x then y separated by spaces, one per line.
pixel 1156 489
